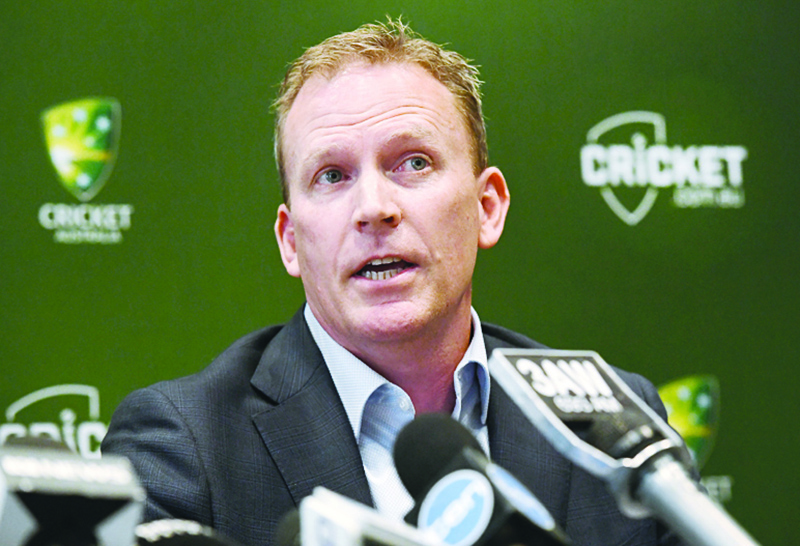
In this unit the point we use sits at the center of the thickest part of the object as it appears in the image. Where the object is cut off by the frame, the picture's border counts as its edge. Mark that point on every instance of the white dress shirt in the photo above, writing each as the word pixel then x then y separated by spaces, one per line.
pixel 378 409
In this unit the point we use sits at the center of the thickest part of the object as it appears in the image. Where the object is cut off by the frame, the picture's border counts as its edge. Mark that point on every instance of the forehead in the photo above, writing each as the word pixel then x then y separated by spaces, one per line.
pixel 364 100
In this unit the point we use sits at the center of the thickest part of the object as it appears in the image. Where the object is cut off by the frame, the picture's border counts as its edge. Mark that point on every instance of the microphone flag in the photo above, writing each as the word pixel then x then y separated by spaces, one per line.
pixel 595 420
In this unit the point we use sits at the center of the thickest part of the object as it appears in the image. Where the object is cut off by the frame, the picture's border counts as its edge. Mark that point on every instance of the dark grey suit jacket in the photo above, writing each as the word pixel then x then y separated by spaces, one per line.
pixel 239 444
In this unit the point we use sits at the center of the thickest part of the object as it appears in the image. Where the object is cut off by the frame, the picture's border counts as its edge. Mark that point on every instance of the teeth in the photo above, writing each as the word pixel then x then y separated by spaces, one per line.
pixel 380 275
pixel 383 272
pixel 381 261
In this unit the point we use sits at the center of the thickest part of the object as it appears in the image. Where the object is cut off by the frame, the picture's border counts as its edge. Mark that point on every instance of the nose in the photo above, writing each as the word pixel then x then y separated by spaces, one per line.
pixel 376 204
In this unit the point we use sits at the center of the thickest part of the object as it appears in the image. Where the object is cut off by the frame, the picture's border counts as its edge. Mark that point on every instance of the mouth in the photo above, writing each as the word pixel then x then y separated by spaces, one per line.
pixel 382 269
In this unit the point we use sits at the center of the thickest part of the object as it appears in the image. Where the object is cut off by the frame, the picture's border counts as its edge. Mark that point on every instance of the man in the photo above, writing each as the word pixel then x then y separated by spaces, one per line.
pixel 388 196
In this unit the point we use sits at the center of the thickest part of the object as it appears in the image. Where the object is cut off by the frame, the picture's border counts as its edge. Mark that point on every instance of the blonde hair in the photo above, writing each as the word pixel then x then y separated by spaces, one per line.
pixel 382 43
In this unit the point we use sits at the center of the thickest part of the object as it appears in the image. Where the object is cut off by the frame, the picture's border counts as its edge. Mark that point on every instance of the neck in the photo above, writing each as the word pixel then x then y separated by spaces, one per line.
pixel 423 365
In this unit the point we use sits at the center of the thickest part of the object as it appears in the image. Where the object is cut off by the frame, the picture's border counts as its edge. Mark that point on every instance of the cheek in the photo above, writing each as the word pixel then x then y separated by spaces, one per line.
pixel 320 239
pixel 308 242
pixel 462 214
pixel 455 225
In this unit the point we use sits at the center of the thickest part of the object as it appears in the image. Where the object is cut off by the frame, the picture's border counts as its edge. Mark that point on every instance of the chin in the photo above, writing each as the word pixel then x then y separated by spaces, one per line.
pixel 392 324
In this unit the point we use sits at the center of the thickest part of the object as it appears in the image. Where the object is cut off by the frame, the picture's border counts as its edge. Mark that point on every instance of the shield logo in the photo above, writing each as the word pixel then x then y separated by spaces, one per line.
pixel 82 138
pixel 641 128
pixel 693 408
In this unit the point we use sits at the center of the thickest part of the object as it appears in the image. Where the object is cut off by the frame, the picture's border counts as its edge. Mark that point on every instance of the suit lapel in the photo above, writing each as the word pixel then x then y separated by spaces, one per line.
pixel 306 431
pixel 305 428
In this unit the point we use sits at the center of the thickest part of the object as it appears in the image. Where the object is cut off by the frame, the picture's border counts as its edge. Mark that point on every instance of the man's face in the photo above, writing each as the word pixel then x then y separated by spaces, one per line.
pixel 385 215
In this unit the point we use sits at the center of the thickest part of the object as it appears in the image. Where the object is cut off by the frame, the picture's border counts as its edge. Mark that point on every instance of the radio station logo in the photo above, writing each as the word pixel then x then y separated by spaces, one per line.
pixel 692 405
pixel 574 387
pixel 82 139
pixel 458 508
pixel 68 414
pixel 628 158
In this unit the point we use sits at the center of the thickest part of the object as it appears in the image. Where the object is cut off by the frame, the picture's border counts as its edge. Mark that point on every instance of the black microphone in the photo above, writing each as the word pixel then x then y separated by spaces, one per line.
pixel 461 497
pixel 179 532
pixel 325 518
pixel 595 420
pixel 51 496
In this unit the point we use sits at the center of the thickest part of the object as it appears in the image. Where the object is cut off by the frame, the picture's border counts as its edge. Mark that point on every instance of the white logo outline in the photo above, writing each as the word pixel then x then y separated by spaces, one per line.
pixel 79 439
pixel 660 128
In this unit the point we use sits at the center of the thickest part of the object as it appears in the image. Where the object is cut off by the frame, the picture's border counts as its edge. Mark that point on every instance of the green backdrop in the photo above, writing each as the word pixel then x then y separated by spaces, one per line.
pixel 708 289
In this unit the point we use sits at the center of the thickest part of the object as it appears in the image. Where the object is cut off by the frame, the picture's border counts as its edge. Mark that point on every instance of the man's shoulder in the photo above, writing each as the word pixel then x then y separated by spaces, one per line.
pixel 179 432
pixel 233 373
pixel 235 365
pixel 498 337
pixel 268 366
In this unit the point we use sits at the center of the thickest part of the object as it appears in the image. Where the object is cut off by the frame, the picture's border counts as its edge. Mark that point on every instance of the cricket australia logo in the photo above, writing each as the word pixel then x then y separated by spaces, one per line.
pixel 627 157
pixel 82 139
pixel 692 404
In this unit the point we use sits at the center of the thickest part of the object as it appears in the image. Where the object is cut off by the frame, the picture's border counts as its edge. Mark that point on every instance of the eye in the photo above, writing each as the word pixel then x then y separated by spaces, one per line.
pixel 416 163
pixel 332 176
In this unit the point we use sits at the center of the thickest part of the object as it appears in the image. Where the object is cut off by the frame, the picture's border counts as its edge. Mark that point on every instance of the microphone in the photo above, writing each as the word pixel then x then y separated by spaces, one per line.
pixel 178 532
pixel 461 497
pixel 595 420
pixel 50 496
pixel 329 519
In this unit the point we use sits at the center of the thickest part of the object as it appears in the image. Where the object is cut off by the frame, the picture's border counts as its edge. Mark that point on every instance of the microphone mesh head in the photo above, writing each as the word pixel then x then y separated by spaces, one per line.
pixel 179 532
pixel 426 446
pixel 37 442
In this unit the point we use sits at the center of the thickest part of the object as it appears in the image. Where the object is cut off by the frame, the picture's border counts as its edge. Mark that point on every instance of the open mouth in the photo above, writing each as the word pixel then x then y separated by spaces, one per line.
pixel 383 269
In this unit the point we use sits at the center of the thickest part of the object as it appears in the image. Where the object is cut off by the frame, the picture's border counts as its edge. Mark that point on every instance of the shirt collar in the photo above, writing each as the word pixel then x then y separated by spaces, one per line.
pixel 355 381
pixel 465 374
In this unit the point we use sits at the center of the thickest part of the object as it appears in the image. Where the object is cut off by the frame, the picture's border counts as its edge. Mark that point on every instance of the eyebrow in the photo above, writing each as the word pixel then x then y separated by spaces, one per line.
pixel 321 155
pixel 410 135
pixel 416 134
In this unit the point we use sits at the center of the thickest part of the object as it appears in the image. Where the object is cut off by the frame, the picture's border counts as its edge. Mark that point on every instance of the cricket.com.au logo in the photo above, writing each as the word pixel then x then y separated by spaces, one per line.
pixel 82 137
pixel 627 157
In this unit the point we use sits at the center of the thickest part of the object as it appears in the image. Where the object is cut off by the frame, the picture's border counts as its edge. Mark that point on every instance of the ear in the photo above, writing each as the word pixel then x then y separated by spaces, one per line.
pixel 494 203
pixel 284 233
